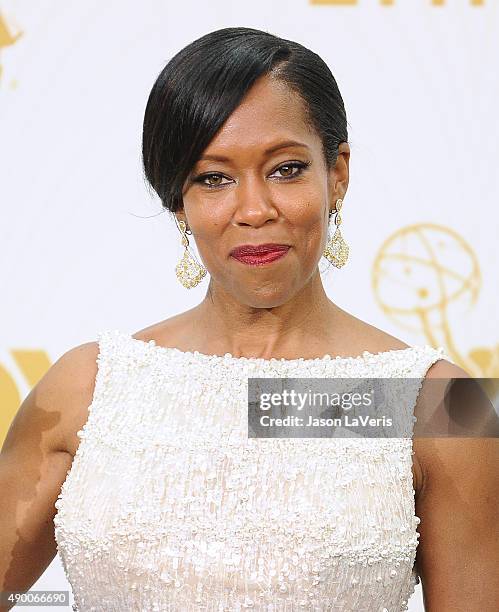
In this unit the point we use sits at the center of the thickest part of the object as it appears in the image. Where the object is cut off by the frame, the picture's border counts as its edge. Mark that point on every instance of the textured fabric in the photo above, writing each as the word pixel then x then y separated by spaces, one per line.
pixel 168 505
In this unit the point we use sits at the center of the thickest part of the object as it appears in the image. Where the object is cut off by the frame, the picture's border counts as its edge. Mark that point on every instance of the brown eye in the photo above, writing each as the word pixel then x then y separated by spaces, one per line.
pixel 287 170
pixel 213 178
pixel 216 177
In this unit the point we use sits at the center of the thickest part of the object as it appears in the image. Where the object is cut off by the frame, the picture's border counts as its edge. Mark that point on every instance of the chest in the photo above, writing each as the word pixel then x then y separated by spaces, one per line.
pixel 194 512
pixel 332 488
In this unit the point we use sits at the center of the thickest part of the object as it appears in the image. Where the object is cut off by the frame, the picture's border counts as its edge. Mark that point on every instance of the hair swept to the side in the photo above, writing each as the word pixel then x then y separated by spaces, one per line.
pixel 201 86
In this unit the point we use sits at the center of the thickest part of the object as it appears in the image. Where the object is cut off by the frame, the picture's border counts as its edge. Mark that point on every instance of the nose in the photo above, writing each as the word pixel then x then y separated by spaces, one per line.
pixel 254 204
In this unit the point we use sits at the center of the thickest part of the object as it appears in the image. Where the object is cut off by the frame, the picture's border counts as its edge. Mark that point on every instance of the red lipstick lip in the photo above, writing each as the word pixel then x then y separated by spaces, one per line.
pixel 259 249
pixel 262 255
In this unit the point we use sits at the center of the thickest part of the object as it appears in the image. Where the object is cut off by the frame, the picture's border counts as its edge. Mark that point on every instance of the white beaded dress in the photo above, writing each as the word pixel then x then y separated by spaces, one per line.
pixel 169 505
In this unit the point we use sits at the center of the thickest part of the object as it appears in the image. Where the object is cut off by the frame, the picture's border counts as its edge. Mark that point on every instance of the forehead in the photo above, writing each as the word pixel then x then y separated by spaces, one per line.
pixel 269 112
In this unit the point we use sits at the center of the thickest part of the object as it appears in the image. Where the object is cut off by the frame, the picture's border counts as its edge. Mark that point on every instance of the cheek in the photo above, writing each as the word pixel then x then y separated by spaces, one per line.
pixel 315 242
pixel 309 228
pixel 303 223
pixel 211 238
pixel 207 220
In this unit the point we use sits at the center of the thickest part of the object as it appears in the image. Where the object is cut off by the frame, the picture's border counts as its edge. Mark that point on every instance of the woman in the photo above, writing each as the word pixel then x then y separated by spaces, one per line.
pixel 168 504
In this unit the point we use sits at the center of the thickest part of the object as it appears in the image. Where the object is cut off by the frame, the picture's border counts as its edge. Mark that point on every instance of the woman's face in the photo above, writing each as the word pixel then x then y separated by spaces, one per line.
pixel 242 193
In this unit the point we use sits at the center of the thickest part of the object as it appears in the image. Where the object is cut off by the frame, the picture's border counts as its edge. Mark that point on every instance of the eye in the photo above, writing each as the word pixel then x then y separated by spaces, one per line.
pixel 300 166
pixel 204 177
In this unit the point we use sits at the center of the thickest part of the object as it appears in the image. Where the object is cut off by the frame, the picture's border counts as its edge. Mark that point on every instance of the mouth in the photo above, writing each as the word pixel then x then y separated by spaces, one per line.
pixel 258 255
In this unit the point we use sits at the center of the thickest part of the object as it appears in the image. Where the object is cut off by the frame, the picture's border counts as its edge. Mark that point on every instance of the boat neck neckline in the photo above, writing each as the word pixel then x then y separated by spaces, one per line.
pixel 229 357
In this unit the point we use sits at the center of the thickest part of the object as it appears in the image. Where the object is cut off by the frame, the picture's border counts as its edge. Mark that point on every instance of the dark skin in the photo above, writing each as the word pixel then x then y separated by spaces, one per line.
pixel 280 310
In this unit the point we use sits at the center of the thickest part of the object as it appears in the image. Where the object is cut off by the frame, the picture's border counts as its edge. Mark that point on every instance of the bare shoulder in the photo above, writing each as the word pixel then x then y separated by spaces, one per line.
pixel 34 462
pixel 52 408
pixel 426 459
pixel 446 369
pixel 478 407
pixel 174 331
pixel 63 394
pixel 361 336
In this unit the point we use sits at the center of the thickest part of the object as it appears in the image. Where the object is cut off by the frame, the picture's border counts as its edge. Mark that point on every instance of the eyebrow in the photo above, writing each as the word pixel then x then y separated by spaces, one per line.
pixel 281 145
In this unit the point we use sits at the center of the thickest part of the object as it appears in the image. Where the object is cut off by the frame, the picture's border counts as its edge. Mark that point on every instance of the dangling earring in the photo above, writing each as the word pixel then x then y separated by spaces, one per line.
pixel 189 271
pixel 337 249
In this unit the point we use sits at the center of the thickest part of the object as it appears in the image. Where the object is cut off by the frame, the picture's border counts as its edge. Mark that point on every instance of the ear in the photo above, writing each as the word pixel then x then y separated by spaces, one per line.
pixel 180 214
pixel 339 173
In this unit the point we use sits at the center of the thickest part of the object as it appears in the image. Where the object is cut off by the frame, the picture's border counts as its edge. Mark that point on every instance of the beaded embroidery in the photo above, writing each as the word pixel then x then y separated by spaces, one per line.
pixel 169 506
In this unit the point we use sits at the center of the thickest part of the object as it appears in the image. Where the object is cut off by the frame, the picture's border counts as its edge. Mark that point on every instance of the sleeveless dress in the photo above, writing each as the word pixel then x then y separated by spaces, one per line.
pixel 169 505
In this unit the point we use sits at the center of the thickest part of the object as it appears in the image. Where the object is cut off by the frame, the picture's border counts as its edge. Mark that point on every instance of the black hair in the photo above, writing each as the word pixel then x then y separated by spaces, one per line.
pixel 204 83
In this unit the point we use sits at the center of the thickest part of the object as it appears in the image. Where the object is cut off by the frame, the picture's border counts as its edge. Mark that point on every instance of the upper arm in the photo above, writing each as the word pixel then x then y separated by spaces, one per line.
pixel 458 504
pixel 34 462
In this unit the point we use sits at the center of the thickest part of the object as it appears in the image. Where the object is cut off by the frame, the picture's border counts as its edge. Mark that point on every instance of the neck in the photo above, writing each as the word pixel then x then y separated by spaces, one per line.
pixel 301 326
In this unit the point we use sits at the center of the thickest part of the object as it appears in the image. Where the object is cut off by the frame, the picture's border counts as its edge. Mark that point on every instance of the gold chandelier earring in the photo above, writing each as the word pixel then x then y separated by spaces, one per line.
pixel 337 249
pixel 188 270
